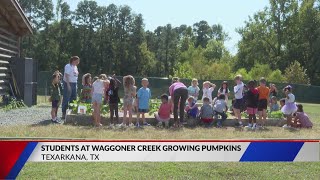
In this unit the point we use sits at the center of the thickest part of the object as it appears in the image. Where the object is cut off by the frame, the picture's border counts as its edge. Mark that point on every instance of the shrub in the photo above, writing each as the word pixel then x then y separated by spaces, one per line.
pixel 260 70
pixel 296 73
pixel 276 76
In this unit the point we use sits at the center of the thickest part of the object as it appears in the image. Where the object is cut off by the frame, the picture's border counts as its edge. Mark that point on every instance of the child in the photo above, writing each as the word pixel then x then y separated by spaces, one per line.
pixel 252 99
pixel 263 100
pixel 282 102
pixel 238 94
pixel 85 96
pixel 273 90
pixel 128 99
pixel 274 106
pixel 98 89
pixel 113 100
pixel 194 89
pixel 206 112
pixel 224 90
pixel 290 107
pixel 220 108
pixel 143 95
pixel 55 97
pixel 164 111
pixel 191 108
pixel 208 88
pixel 301 119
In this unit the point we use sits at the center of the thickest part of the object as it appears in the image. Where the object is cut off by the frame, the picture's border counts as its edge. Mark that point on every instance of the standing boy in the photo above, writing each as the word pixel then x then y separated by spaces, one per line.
pixel 238 94
pixel 143 95
pixel 55 97
pixel 264 92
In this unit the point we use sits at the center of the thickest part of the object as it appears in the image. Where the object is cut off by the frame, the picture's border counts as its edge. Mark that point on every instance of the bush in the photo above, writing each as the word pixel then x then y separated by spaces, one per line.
pixel 260 70
pixel 14 104
pixel 243 72
pixel 296 73
pixel 277 76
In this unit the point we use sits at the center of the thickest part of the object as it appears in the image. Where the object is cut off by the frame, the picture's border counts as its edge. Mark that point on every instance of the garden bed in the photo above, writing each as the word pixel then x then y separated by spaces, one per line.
pixel 86 120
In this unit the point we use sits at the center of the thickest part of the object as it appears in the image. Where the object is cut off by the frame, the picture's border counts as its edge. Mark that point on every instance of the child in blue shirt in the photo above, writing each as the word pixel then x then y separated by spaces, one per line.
pixel 143 95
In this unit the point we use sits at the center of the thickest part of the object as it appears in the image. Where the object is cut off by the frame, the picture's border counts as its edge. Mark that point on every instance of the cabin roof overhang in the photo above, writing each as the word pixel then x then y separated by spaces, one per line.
pixel 14 19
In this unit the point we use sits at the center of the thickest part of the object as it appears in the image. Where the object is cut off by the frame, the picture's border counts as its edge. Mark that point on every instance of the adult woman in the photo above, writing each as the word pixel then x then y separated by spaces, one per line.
pixel 70 79
pixel 179 93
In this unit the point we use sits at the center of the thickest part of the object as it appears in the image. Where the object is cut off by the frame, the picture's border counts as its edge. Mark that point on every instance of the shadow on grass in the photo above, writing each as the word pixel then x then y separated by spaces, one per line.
pixel 43 123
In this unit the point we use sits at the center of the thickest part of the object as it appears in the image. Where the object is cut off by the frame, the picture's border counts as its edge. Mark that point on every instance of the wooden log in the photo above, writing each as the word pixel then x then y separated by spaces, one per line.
pixel 86 120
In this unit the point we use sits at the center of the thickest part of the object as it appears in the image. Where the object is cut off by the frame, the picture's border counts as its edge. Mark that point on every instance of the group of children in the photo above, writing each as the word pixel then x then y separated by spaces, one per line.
pixel 254 100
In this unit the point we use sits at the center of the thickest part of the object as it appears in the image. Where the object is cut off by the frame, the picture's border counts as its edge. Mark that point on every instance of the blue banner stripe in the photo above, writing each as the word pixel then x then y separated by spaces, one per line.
pixel 272 151
pixel 22 160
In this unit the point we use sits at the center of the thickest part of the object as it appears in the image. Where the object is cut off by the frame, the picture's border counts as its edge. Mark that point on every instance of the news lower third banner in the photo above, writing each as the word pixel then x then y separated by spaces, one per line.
pixel 14 154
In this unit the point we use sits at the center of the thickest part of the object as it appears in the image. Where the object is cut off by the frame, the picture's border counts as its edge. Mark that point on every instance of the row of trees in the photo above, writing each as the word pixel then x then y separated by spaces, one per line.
pixel 113 39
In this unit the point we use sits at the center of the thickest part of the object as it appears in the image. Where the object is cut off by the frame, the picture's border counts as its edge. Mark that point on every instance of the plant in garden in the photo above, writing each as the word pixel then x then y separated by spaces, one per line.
pixel 14 104
pixel 154 106
pixel 276 115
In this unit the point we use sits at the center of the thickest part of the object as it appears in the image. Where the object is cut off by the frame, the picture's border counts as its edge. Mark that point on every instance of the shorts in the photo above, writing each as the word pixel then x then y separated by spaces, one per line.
pixel 156 115
pixel 97 98
pixel 207 120
pixel 128 101
pixel 143 110
pixel 55 104
pixel 262 104
pixel 238 104
pixel 252 111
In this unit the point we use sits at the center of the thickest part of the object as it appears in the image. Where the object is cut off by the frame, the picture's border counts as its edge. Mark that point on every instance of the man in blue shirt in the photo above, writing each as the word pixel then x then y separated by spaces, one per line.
pixel 144 95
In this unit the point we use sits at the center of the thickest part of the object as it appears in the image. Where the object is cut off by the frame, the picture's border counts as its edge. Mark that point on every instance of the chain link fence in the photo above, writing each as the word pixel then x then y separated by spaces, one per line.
pixel 158 86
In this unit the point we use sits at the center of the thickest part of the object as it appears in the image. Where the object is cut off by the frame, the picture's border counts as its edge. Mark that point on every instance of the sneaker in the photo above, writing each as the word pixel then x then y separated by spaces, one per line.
pixel 137 125
pixel 286 126
pixel 146 124
pixel 122 125
pixel 131 125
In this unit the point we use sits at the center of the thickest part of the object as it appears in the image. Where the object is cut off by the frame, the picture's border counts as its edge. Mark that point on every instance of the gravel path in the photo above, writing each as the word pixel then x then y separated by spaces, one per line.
pixel 26 116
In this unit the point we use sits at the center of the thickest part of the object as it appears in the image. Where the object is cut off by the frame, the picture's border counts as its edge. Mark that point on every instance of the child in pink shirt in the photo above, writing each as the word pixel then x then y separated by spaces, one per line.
pixel 301 119
pixel 164 112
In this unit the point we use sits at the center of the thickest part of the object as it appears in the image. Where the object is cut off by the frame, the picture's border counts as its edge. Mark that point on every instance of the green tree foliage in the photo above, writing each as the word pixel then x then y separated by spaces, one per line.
pixel 276 76
pixel 295 73
pixel 112 39
pixel 282 32
pixel 260 70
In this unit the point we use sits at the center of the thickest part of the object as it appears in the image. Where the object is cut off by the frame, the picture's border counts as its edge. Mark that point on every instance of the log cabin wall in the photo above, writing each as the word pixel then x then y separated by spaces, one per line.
pixel 9 47
pixel 13 25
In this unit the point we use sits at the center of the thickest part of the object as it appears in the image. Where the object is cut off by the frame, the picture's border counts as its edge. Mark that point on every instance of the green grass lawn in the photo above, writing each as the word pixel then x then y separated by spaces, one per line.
pixel 205 170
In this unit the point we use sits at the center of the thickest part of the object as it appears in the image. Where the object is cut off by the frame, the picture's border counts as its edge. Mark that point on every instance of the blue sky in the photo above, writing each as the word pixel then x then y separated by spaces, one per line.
pixel 231 14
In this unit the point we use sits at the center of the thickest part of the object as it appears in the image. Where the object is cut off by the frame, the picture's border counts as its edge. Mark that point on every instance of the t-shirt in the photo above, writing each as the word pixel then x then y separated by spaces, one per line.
pixel 72 71
pixel 238 91
pixel 98 87
pixel 86 93
pixel 252 97
pixel 207 92
pixel 291 98
pixel 220 105
pixel 55 92
pixel 206 111
pixel 164 111
pixel 274 107
pixel 144 95
pixel 224 91
pixel 175 86
pixel 194 111
pixel 113 95
pixel 304 120
pixel 193 91
pixel 263 92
